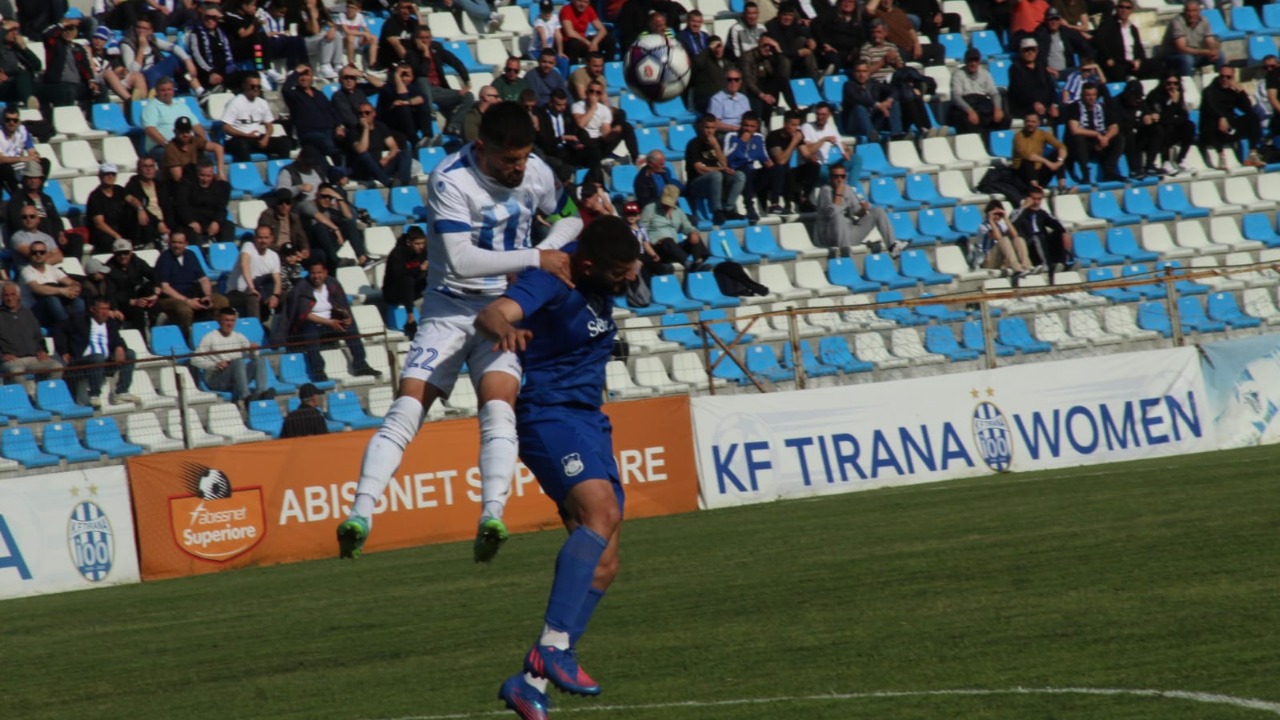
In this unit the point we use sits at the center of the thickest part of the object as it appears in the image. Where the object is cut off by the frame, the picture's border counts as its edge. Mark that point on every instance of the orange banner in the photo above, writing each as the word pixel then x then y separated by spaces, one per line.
pixel 201 511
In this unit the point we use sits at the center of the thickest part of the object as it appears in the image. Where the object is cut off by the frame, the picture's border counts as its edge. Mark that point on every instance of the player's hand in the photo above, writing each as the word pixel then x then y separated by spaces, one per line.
pixel 514 340
pixel 556 263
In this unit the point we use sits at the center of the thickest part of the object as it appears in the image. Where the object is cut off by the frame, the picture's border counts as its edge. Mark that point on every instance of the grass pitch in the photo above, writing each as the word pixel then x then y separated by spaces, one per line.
pixel 1155 575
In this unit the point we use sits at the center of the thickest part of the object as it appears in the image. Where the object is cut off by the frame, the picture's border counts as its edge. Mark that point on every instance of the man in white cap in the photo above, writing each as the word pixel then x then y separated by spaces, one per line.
pixel 1032 88
pixel 106 210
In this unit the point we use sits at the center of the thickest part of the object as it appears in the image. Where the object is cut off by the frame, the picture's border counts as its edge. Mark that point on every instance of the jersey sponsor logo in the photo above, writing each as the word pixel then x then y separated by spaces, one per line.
pixel 991 435
pixel 91 541
pixel 572 464
pixel 213 520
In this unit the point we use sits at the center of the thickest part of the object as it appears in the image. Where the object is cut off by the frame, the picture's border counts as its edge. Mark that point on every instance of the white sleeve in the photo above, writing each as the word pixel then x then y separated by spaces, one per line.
pixel 564 231
pixel 453 224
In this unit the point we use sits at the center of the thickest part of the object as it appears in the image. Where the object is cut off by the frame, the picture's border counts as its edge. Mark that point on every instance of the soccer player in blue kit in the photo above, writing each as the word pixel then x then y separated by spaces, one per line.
pixel 565 337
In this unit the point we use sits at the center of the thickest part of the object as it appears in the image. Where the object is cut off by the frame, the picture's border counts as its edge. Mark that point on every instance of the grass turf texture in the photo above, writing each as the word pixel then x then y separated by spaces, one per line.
pixel 1159 574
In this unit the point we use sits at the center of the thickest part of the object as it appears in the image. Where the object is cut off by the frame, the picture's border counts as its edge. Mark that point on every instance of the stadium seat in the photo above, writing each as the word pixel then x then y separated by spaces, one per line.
pixel 835 352
pixel 407 201
pixel 833 88
pixel 619 384
pixel 1218 26
pixel 938 312
pixel 940 339
pixel 638 112
pixel 1226 231
pixel 724 245
pixel 874 162
pixel 915 264
pixel 69 121
pixel 119 151
pixel 1120 241
pixel 1222 307
pixel 1190 234
pixel 704 289
pixel 674 110
pixel 1154 289
pixel 974 340
pixel 779 283
pixel 1089 250
pixel 954 46
pixel 678 328
pixel 196 436
pixel 1070 210
pixel 60 439
pixel 246 180
pixel 759 240
pixel 898 315
pixel 1191 315
pixel 463 52
pixel 371 200
pixel 109 118
pixel 1103 205
pixel 934 228
pixel 1257 226
pixel 225 420
pixel 19 443
pixel 726 369
pixel 1002 143
pixel 885 193
pixel 344 407
pixel 1259 46
pixel 999 69
pixel 16 404
pixel 1138 201
pixel 103 435
pixel 842 272
pixel 621 303
pixel 430 157
pixel 762 362
pixel 53 396
pixel 1113 294
pixel 293 370
pixel 667 292
pixel 223 258
pixel 808 360
pixel 880 268
pixel 907 344
pixel 920 188
pixel 870 346
pixel 809 276
pixel 1204 195
pixel 168 340
pixel 1013 332
pixel 142 428
pixel 1153 317
pixel 805 92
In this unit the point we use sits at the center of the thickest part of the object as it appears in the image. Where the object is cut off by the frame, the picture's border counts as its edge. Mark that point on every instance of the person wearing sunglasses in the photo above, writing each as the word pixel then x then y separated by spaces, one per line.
pixel 846 219
pixel 211 49
pixel 510 83
pixel 376 154
pixel 17 150
pixel 50 293
pixel 32 195
pixel 1168 119
pixel 28 234
pixel 248 123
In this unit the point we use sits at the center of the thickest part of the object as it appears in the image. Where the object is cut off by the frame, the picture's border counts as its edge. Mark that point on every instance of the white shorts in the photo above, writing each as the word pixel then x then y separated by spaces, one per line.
pixel 447 338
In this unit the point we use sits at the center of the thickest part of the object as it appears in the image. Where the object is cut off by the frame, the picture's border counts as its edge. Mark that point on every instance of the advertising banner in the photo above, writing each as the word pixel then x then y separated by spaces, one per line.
pixel 66 531
pixel 754 448
pixel 201 511
pixel 1243 381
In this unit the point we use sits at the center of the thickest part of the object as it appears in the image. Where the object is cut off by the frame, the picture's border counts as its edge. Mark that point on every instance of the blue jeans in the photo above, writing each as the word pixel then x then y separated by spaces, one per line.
pixel 1185 65
pixel 711 187
pixel 366 167
pixel 317 333
pixel 235 377
pixel 90 380
pixel 860 120
pixel 53 310
pixel 478 10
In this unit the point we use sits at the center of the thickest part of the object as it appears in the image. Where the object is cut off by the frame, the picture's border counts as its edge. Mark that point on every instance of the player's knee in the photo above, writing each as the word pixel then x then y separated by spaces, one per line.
pixel 497 421
pixel 602 518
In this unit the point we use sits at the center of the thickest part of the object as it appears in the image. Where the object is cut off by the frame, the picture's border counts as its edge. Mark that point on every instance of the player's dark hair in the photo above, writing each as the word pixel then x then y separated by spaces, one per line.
pixel 608 242
pixel 506 126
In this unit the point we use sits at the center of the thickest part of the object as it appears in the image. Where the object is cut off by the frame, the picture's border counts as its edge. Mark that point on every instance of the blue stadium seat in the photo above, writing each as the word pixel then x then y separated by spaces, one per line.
pixel 812 366
pixel 724 368
pixel 371 199
pixel 53 188
pixel 904 230
pixel 1089 250
pixel 1223 308
pixel 650 139
pixel 1171 197
pixel 53 396
pixel 60 439
pixel 622 180
pixel 273 169
pixel 674 110
pixel 762 362
pixel 1153 316
pixel 639 114
pixel 1121 241
pixel 430 157
pixel 988 43
pixel 724 245
pixel 933 225
pixel 264 416
pixel 197 114
pixel 251 328
pixel 966 219
pixel 246 180
pixel 1257 226
pixel 293 370
pixel 953 46
pixel 718 325
pixel 19 443
pixel 835 351
pixel 941 340
pixel 1260 46
pixel 842 272
pixel 344 407
pixel 1271 17
pixel 937 312
pixel 903 316
pixel 110 117
pixel 1014 332
pixel 1103 205
pixel 1001 142
pixel 833 89
pixel 1138 202
pixel 1114 294
pixel 920 188
pixel 999 69
pixel 407 201
pixel 703 288
pixel 1192 316
pixel 200 329
pixel 666 291
pixel 879 267
pixel 974 340
pixel 687 336
pixel 678 137
pixel 805 92
pixel 1152 290
pixel 614 78
pixel 885 193
pixel 621 303
pixel 1218 26
pixel 915 264
pixel 875 162
pixel 759 240
pixel 103 435
pixel 223 258
pixel 15 403
pixel 463 51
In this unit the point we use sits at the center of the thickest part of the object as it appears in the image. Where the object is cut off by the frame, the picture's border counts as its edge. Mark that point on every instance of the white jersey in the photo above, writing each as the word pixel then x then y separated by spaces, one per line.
pixel 478 231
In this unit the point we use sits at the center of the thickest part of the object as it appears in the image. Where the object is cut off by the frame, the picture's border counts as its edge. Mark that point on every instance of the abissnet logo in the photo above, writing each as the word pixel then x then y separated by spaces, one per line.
pixel 215 521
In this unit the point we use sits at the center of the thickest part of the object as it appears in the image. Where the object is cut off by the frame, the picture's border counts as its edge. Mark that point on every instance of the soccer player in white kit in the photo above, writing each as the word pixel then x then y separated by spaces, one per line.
pixel 480 210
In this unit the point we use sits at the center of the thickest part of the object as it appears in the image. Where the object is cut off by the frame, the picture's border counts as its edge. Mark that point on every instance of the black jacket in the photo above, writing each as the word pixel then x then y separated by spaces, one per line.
pixel 442 58
pixel 203 205
pixel 72 337
pixel 546 138
pixel 1108 44
pixel 304 421
pixel 1027 87
pixel 164 193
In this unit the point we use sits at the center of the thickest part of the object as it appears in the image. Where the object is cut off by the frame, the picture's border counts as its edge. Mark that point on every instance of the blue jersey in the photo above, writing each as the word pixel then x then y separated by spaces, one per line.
pixel 573 331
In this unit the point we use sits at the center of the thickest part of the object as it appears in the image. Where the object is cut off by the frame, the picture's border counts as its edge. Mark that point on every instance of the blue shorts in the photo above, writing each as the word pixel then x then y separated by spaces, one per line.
pixel 564 446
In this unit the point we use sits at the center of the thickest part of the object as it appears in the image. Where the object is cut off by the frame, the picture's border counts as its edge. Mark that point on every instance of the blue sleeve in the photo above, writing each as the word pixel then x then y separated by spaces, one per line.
pixel 535 289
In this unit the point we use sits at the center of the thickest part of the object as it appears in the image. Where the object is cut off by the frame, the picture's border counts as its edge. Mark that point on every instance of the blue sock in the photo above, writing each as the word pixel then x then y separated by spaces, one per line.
pixel 593 598
pixel 575 569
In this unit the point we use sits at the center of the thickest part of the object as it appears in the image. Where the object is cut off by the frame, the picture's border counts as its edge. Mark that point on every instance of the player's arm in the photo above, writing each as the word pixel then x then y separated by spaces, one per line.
pixel 498 323
pixel 564 231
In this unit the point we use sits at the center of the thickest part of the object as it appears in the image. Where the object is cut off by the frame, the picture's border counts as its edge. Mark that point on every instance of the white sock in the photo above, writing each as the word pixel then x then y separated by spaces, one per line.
pixel 385 451
pixel 499 450
pixel 537 683
pixel 558 639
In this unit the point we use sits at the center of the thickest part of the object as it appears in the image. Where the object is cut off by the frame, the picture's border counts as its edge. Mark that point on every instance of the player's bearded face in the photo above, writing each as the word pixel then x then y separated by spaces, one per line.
pixel 506 166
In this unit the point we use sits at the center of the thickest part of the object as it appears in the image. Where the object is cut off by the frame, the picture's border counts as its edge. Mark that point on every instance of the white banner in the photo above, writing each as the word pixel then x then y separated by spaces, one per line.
pixel 67 531
pixel 757 448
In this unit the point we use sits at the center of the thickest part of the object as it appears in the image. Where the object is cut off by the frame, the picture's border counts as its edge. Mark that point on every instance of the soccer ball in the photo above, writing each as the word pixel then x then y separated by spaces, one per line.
pixel 657 67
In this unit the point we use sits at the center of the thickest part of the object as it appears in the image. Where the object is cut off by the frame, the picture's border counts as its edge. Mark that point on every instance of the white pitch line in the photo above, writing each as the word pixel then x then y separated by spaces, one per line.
pixel 1267 706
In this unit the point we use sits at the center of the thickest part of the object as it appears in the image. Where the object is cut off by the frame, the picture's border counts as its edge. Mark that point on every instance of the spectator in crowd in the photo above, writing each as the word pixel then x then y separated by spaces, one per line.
pixel 650 261
pixel 1268 95
pixel 290 271
pixel 22 348
pixel 564 142
pixel 869 107
pixel 597 121
pixel 317 310
pixel 223 366
pixel 304 177
pixel 487 97
pixel 782 145
pixel 707 77
pixel 321 38
pixel 1075 14
pixel 211 50
pixel 306 419
pixel 255 282
pixel 50 293
pixel 406 275
pixel 822 137
pixel 68 77
pixel 976 103
pixel 840 35
pixel 766 77
pixel 376 154
pixel 746 34
pixel 155 58
pixel 693 38
pixel 161 120
pixel 545 79
pixel 795 40
pixel 881 56
pixel 29 232
pixel 1048 242
pixel 201 206
pixel 331 227
pixel 428 60
pixel 746 155
pixel 397 35
pixel 928 18
pixel 1061 46
pixel 547 38
pixel 356 36
pixel 32 195
pixel 846 219
pixel 1088 72
pixel 998 245
pixel 109 73
pixel 665 222
pixel 730 104
pixel 577 19
pixel 284 45
pixel 593 202
pixel 1227 117
pixel 18 66
pixel 245 29
pixel 1025 18
pixel 1032 88
pixel 286 225
pixel 137 295
pixel 97 283
pixel 106 210
pixel 406 110
pixel 150 199
pixel 184 14
pixel 1189 43
pixel 17 150
pixel 1035 165
pixel 93 339
pixel 248 122
pixel 902 33
pixel 187 148
pixel 711 180
pixel 510 84
pixel 186 294
pixel 349 96
pixel 1168 121
pixel 593 71
pixel 1093 134
pixel 1118 45
pixel 315 120
pixel 653 178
